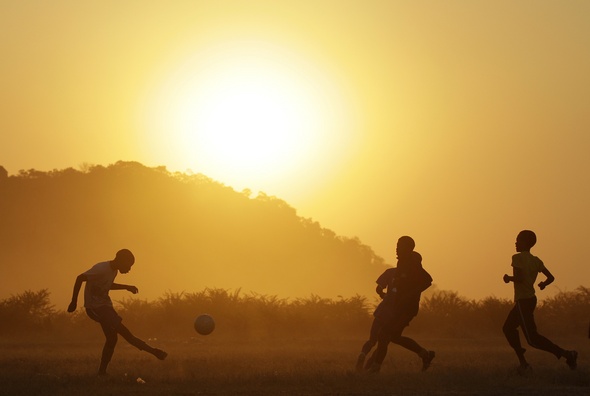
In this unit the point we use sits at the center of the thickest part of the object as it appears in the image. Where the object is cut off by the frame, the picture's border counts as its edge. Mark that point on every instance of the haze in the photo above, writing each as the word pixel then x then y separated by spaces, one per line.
pixel 459 123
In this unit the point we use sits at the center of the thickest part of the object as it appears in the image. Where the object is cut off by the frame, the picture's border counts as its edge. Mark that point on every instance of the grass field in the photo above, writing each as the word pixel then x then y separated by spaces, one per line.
pixel 211 366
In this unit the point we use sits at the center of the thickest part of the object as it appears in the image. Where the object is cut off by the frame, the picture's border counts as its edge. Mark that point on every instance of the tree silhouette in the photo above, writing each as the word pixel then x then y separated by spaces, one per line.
pixel 189 231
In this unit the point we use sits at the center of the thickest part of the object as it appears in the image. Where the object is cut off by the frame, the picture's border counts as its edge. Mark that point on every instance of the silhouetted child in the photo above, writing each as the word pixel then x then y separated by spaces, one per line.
pixel 399 306
pixel 99 307
pixel 525 268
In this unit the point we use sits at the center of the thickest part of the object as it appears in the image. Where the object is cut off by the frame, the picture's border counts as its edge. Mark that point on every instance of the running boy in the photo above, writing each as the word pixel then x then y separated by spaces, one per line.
pixel 525 268
pixel 99 307
pixel 399 308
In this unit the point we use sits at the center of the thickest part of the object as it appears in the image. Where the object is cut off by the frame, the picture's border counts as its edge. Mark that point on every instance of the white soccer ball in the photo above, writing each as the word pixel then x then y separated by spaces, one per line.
pixel 204 324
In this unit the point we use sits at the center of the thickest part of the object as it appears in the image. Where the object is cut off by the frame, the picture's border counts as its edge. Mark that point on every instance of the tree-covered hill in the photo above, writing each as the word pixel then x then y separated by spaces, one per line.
pixel 187 231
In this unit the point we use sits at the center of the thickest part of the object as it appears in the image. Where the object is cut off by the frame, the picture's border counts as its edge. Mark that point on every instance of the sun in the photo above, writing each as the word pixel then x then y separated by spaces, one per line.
pixel 248 120
pixel 251 116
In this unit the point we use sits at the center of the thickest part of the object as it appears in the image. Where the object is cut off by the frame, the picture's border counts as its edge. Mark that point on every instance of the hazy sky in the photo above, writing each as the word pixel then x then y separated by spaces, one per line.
pixel 456 122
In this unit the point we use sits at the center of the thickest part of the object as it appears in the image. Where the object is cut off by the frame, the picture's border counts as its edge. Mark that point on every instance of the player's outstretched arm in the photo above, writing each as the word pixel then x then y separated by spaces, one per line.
pixel 118 286
pixel 548 281
pixel 77 285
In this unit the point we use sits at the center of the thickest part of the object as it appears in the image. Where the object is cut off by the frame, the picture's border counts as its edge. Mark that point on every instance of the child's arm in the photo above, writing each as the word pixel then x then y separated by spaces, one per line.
pixel 548 281
pixel 379 290
pixel 117 286
pixel 384 280
pixel 81 278
pixel 516 276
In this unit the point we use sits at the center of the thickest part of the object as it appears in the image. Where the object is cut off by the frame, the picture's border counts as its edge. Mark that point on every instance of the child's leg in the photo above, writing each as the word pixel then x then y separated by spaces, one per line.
pixel 402 322
pixel 389 330
pixel 413 346
pixel 510 330
pixel 108 349
pixel 410 344
pixel 139 344
pixel 376 360
pixel 373 337
pixel 526 308
pixel 367 346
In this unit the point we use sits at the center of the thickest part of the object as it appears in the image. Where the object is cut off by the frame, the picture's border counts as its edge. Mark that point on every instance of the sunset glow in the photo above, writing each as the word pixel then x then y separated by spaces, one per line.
pixel 251 114
pixel 458 123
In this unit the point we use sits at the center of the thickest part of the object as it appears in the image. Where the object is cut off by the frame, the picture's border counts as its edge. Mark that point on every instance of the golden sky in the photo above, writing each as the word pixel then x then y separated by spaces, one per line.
pixel 457 122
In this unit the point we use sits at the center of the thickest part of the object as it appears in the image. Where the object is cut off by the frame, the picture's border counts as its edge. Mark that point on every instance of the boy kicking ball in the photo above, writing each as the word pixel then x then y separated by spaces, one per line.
pixel 99 307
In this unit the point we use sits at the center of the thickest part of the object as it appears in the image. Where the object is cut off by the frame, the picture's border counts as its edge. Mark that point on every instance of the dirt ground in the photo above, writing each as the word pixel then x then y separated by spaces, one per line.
pixel 204 366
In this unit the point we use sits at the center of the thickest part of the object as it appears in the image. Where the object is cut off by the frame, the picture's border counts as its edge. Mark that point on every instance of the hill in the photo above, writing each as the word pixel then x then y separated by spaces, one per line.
pixel 187 231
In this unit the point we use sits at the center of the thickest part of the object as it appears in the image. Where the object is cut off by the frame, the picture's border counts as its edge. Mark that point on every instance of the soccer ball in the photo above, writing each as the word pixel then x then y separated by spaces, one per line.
pixel 204 324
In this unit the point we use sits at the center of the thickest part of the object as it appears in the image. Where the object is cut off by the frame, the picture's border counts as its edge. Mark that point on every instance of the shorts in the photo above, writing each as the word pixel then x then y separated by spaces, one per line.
pixel 384 312
pixel 105 315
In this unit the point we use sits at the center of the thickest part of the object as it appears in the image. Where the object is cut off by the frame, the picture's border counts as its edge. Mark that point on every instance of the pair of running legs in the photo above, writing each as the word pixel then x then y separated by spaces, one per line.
pixel 522 315
pixel 383 333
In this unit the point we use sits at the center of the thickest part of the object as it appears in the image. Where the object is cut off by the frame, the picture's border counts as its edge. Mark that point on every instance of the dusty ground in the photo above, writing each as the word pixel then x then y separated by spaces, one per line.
pixel 208 366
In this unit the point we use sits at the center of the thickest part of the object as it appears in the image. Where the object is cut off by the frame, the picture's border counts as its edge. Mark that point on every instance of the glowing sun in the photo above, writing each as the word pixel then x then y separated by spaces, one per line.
pixel 250 115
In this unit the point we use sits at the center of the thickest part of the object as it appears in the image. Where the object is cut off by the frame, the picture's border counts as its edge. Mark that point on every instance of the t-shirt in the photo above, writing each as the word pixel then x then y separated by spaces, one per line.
pixel 99 280
pixel 529 266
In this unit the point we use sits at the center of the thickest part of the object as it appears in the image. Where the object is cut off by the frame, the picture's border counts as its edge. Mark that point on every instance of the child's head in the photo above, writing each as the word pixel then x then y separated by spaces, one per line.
pixel 405 245
pixel 124 260
pixel 525 240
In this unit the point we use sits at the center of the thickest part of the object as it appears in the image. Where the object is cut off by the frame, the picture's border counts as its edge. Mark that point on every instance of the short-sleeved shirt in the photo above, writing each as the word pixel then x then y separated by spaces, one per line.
pixel 99 280
pixel 529 266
